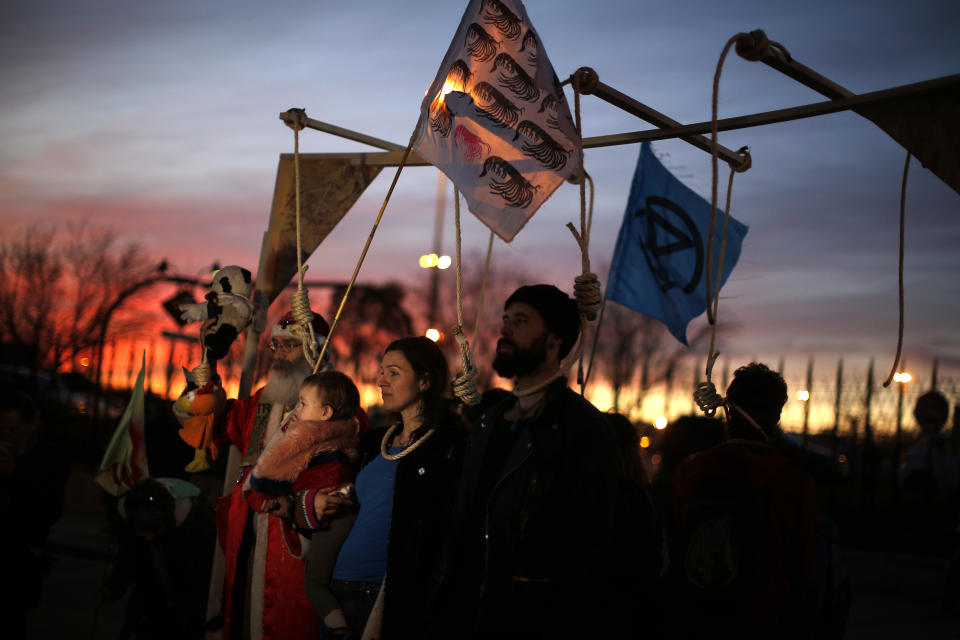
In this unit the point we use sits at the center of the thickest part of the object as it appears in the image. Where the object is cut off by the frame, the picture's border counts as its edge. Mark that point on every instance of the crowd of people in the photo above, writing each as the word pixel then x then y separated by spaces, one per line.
pixel 529 515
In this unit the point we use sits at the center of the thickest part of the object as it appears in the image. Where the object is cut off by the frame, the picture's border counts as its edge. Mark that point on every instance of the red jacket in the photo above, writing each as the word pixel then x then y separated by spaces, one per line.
pixel 287 613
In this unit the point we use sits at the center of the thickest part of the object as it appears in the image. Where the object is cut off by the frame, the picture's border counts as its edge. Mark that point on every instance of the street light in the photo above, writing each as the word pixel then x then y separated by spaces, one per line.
pixel 660 423
pixel 803 395
pixel 433 334
pixel 431 260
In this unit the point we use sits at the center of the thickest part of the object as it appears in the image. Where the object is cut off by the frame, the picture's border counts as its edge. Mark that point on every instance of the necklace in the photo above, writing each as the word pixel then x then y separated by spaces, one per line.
pixel 409 449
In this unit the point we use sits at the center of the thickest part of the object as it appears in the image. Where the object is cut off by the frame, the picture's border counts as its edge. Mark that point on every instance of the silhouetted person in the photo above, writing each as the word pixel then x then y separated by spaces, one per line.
pixel 930 465
pixel 745 525
pixel 636 542
pixel 166 549
pixel 32 479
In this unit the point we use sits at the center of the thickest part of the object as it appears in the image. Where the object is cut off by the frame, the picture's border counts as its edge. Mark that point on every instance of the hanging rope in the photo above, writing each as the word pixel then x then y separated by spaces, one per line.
pixel 300 301
pixel 465 383
pixel 903 201
pixel 366 247
pixel 205 371
pixel 706 394
pixel 593 348
pixel 586 286
pixel 714 157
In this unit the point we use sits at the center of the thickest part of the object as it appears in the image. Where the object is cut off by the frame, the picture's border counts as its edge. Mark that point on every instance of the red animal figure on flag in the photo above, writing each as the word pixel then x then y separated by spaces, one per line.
pixel 473 147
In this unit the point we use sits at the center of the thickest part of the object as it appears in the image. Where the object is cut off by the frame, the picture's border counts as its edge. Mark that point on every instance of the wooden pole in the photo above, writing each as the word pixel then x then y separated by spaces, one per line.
pixel 898 438
pixel 806 405
pixel 868 454
pixel 667 132
pixel 696 381
pixel 171 346
pixel 835 444
pixel 440 206
pixel 590 85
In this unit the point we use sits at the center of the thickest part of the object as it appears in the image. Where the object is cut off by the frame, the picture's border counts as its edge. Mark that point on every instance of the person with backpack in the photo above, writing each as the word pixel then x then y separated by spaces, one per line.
pixel 744 525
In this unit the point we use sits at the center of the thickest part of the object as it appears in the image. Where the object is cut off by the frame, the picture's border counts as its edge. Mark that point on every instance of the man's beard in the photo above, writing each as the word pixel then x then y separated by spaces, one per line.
pixel 520 362
pixel 285 379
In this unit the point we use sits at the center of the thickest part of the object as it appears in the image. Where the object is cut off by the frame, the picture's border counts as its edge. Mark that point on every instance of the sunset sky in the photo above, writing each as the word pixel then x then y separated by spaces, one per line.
pixel 159 120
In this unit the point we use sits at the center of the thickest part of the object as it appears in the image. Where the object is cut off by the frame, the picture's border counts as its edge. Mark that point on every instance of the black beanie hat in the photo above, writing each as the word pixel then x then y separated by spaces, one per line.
pixel 558 310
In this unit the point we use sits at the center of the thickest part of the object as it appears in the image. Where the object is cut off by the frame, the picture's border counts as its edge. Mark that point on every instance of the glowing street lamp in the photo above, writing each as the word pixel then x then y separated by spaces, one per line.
pixel 428 260
pixel 433 334
pixel 660 423
pixel 444 262
pixel 902 377
pixel 803 395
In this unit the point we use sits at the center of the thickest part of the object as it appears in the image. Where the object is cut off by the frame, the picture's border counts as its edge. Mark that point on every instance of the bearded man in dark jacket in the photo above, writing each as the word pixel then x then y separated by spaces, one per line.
pixel 535 507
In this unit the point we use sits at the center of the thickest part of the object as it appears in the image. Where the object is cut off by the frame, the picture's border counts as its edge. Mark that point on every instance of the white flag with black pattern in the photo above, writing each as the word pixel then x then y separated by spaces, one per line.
pixel 495 119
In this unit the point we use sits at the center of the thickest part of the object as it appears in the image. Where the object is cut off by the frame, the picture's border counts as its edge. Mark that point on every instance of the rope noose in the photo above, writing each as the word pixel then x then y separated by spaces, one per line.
pixel 300 301
pixel 205 371
pixel 465 382
pixel 706 395
pixel 586 286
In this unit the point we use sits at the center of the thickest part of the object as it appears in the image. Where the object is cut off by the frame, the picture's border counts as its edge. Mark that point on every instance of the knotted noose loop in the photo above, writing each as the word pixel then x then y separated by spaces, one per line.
pixel 707 398
pixel 303 329
pixel 465 383
pixel 203 373
pixel 586 289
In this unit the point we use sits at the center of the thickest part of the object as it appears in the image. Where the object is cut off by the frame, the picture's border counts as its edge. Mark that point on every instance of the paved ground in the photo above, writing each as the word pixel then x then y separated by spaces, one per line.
pixel 895 596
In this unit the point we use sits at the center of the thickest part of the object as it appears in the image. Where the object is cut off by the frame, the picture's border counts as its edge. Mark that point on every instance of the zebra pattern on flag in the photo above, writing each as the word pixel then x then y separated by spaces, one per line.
pixel 495 119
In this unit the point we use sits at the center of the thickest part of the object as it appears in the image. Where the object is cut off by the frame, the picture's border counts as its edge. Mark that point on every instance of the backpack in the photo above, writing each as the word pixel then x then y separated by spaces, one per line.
pixel 723 560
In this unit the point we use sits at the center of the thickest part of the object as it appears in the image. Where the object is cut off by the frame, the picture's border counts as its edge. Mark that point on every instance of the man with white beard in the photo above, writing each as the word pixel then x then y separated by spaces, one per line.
pixel 264 595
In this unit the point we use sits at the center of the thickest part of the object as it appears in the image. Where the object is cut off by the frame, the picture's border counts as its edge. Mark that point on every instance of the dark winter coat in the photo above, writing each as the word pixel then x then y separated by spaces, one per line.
pixel 423 495
pixel 546 525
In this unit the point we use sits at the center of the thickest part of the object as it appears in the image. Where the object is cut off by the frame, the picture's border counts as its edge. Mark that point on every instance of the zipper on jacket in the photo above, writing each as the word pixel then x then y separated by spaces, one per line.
pixel 486 517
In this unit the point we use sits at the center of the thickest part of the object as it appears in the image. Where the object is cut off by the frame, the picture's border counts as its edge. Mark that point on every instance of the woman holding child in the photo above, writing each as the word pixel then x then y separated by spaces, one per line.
pixel 405 492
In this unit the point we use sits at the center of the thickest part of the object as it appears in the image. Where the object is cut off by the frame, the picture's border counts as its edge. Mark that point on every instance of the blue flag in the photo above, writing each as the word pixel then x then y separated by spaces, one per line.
pixel 658 264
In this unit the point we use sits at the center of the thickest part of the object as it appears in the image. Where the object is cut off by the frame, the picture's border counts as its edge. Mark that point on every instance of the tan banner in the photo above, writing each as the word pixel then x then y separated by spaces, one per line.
pixel 928 125
pixel 328 189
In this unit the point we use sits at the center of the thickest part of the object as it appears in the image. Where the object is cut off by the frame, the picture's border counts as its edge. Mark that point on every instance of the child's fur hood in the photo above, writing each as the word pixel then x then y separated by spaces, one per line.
pixel 288 456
